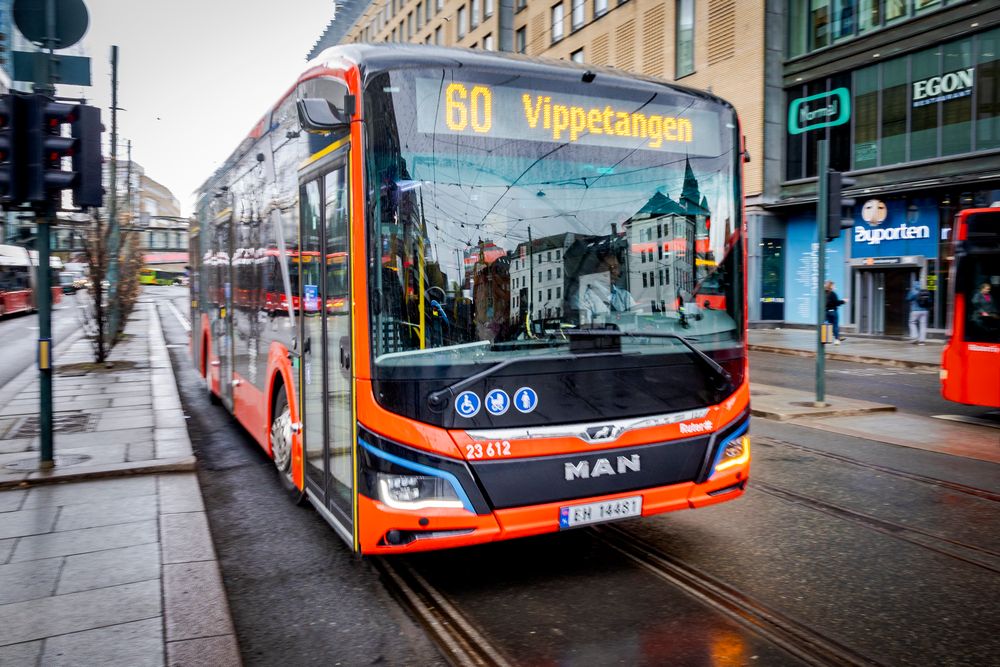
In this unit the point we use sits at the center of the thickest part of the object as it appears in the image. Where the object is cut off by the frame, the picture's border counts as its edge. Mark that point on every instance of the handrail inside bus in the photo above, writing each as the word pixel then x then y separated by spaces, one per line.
pixel 276 218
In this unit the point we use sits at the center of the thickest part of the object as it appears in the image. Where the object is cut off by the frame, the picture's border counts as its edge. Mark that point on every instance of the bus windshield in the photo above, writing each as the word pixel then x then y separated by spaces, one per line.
pixel 510 214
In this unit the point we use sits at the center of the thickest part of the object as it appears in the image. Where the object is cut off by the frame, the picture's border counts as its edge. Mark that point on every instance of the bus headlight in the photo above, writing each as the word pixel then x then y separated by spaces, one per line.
pixel 416 492
pixel 734 453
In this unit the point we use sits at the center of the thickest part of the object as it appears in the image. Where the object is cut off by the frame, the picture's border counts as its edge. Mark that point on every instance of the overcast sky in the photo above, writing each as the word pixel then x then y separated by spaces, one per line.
pixel 194 76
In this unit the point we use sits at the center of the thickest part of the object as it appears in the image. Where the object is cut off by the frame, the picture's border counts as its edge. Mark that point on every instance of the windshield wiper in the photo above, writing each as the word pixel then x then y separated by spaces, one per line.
pixel 720 372
pixel 438 400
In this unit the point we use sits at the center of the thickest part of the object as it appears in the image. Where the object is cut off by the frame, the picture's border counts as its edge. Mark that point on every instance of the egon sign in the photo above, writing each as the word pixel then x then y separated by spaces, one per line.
pixel 945 87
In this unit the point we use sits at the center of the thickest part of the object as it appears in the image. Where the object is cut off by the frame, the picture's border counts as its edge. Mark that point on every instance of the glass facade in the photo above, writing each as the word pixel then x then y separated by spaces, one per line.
pixel 816 24
pixel 941 101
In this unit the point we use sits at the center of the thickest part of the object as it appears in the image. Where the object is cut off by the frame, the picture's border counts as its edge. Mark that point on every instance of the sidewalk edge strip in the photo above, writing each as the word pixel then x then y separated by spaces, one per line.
pixel 155 466
pixel 839 356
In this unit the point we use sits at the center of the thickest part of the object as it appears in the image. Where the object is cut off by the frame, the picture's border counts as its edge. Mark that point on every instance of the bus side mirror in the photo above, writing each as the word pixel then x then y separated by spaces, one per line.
pixel 319 115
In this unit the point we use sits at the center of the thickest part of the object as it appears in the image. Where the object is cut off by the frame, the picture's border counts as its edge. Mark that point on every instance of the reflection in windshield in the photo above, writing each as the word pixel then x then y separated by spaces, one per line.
pixel 511 243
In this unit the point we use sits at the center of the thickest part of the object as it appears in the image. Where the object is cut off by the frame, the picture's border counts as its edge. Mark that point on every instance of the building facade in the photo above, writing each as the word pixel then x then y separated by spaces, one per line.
pixel 923 82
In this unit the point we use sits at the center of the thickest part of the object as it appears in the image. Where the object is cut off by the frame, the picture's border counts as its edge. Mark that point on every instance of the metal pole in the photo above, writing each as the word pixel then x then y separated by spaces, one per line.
pixel 43 294
pixel 822 206
pixel 113 230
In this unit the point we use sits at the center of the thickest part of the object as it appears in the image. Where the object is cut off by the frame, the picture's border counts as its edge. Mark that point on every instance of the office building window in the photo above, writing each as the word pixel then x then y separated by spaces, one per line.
pixel 460 27
pixel 600 8
pixel 439 5
pixel 520 4
pixel 558 17
pixel 520 39
pixel 488 43
pixel 474 13
pixel 577 18
pixel 684 64
pixel 438 36
pixel 487 8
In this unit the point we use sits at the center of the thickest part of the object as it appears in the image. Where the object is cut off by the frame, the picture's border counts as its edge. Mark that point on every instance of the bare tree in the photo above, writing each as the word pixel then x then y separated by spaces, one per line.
pixel 96 320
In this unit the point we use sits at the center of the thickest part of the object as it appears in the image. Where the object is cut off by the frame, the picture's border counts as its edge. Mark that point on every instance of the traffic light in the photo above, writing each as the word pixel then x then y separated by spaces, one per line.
pixel 87 160
pixel 46 148
pixel 11 180
pixel 839 211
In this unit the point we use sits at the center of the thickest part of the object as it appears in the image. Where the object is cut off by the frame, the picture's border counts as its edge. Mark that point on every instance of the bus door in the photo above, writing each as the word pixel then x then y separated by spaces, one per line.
pixel 222 324
pixel 325 376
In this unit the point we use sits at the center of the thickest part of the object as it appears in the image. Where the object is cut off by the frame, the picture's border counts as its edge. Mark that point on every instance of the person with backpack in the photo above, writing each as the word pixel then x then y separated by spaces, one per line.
pixel 920 301
pixel 833 302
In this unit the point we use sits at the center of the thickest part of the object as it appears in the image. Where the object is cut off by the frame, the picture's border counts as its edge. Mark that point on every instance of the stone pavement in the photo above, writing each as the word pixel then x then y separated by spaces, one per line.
pixel 802 342
pixel 107 559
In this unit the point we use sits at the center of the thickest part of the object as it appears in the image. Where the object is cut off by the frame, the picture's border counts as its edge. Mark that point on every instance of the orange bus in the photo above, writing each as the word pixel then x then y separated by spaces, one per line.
pixel 18 275
pixel 492 347
pixel 970 363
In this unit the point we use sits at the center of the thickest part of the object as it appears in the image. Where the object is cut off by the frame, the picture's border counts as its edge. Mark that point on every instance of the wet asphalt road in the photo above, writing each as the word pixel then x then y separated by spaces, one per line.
pixel 19 336
pixel 870 553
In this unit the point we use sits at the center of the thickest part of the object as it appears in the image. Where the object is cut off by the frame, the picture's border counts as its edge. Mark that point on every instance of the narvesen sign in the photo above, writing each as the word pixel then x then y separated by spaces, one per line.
pixel 903 232
pixel 948 86
pixel 822 110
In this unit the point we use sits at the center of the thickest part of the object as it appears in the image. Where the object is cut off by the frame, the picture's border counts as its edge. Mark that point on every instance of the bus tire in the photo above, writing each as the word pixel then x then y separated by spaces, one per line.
pixel 212 398
pixel 281 446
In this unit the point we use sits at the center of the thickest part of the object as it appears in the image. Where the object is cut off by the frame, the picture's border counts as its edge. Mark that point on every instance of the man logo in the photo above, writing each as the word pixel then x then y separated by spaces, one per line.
pixel 583 469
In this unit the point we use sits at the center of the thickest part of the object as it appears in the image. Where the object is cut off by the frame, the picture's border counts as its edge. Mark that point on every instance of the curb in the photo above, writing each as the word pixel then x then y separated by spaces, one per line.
pixel 819 412
pixel 840 356
pixel 76 474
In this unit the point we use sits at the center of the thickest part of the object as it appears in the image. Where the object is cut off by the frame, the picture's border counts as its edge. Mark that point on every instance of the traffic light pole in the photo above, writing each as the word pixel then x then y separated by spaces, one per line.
pixel 44 303
pixel 822 206
pixel 43 297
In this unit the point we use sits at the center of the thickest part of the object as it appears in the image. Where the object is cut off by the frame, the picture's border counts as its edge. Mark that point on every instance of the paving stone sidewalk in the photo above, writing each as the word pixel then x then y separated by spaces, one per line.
pixel 124 420
pixel 802 342
pixel 108 559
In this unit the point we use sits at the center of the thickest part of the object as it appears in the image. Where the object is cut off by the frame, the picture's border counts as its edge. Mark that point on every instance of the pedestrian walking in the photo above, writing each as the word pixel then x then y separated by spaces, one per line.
pixel 920 301
pixel 833 302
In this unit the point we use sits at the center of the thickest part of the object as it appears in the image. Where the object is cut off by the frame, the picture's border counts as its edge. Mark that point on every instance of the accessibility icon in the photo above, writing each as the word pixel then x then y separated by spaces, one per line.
pixel 497 402
pixel 467 404
pixel 525 399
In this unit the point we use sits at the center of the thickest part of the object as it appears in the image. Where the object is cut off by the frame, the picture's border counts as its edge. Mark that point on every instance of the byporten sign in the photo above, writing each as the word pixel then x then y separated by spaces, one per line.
pixel 827 109
pixel 945 87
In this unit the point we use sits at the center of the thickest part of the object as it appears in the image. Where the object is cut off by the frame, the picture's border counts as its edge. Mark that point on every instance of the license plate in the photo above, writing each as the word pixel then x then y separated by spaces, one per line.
pixel 606 510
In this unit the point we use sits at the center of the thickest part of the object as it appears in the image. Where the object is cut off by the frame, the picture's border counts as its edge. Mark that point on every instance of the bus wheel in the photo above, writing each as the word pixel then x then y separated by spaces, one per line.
pixel 281 447
pixel 212 398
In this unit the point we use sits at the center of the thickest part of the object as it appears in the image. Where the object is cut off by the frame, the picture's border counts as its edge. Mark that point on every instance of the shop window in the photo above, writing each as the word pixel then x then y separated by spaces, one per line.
pixel 956 113
pixel 895 100
pixel 577 16
pixel 558 18
pixel 684 49
pixel 865 87
pixel 844 19
pixel 869 15
pixel 925 5
pixel 819 23
pixel 988 91
pixel 924 66
pixel 895 10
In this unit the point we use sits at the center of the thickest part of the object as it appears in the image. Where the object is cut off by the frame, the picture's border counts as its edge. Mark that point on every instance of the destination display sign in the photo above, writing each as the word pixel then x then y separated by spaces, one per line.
pixel 509 112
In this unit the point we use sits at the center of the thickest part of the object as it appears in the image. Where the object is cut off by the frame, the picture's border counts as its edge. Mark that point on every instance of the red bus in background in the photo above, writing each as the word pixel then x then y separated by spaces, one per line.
pixel 17 279
pixel 970 363
pixel 367 266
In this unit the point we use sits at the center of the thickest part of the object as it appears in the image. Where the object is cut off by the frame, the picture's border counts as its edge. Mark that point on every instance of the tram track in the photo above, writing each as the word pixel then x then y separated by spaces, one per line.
pixel 792 636
pixel 899 531
pixel 461 644
pixel 932 481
